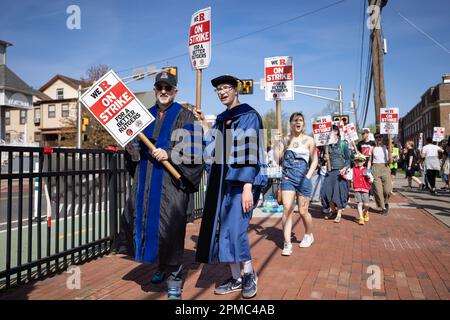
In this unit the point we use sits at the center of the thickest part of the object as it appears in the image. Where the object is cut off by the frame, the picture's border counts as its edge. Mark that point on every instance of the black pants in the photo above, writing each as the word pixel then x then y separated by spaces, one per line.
pixel 431 176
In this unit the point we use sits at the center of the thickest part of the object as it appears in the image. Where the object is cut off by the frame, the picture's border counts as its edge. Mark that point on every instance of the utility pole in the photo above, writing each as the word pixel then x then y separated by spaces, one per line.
pixel 341 103
pixel 376 7
pixel 79 118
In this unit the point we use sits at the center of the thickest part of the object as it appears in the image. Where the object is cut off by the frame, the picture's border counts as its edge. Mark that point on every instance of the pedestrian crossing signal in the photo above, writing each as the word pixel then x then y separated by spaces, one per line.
pixel 344 118
pixel 246 86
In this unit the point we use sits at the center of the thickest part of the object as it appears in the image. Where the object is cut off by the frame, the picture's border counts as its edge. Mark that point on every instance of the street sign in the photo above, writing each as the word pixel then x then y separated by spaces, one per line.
pixel 438 133
pixel 389 120
pixel 322 128
pixel 200 39
pixel 116 108
pixel 279 78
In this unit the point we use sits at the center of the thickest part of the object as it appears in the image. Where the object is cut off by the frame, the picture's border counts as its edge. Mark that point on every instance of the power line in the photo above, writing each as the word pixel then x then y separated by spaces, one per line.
pixel 362 50
pixel 368 83
pixel 423 32
pixel 242 36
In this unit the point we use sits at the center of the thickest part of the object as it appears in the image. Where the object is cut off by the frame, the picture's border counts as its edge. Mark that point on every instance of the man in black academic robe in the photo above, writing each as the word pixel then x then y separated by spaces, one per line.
pixel 156 231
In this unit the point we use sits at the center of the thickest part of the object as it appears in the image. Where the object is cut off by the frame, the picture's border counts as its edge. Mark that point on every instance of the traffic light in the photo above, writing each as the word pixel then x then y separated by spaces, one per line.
pixel 246 86
pixel 344 118
pixel 84 127
pixel 173 71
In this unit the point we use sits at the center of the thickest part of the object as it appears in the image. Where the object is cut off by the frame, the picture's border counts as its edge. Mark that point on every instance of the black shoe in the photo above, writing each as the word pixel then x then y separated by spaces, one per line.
pixel 382 212
pixel 249 285
pixel 228 286
pixel 386 210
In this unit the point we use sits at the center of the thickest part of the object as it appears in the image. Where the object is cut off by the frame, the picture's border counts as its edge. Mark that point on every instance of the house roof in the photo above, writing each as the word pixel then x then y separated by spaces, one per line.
pixel 74 83
pixel 10 81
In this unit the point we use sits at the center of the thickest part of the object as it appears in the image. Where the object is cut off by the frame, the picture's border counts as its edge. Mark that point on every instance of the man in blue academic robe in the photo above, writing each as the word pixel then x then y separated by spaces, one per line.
pixel 237 173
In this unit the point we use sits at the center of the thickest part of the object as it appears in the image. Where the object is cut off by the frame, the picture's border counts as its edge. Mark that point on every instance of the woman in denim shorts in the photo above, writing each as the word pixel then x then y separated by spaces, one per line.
pixel 299 162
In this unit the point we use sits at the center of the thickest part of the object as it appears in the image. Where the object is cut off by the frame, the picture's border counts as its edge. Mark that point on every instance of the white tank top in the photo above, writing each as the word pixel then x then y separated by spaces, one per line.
pixel 301 152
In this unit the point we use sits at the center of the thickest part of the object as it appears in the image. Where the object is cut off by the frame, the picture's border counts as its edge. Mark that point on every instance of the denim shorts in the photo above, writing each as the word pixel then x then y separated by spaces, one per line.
pixel 294 176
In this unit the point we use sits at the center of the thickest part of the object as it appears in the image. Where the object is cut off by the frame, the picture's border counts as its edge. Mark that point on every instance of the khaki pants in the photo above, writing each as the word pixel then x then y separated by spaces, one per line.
pixel 382 184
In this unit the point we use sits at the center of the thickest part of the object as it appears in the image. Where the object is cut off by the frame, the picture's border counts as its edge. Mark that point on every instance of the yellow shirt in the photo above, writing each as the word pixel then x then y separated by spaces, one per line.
pixel 395 155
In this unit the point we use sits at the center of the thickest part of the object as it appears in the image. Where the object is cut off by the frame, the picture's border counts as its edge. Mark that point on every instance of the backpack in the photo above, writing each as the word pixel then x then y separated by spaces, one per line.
pixel 416 160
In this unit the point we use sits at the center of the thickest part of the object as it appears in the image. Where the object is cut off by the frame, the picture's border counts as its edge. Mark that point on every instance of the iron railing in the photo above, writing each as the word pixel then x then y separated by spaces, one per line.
pixel 59 207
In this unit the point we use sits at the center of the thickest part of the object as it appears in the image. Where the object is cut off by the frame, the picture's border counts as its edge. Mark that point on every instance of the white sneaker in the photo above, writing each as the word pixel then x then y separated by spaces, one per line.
pixel 287 249
pixel 307 241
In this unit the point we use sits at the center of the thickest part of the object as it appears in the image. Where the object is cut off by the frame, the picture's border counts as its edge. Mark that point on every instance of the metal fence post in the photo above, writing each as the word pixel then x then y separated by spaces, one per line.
pixel 113 192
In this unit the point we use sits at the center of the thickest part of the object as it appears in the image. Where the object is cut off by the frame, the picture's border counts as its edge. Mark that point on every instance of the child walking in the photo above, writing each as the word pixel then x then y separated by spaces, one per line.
pixel 362 180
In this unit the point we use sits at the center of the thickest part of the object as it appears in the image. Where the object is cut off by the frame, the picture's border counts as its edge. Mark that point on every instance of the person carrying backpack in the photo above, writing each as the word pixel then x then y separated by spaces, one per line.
pixel 412 165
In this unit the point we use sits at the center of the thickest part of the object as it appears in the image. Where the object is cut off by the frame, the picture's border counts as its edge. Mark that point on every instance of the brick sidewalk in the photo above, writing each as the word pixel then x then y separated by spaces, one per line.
pixel 410 247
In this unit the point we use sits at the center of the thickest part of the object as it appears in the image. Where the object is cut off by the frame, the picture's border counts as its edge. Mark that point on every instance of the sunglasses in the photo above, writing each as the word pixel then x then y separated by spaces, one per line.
pixel 161 88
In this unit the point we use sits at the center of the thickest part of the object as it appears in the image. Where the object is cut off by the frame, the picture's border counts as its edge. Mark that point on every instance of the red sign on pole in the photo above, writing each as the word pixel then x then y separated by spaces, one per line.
pixel 116 108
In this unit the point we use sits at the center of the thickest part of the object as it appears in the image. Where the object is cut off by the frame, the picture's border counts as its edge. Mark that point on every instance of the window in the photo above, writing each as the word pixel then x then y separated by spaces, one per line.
pixel 37 137
pixel 65 110
pixel 7 137
pixel 23 116
pixel 60 93
pixel 51 111
pixel 7 118
pixel 37 115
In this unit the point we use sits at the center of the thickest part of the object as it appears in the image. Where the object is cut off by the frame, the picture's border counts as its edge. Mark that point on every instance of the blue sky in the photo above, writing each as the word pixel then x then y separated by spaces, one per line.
pixel 325 46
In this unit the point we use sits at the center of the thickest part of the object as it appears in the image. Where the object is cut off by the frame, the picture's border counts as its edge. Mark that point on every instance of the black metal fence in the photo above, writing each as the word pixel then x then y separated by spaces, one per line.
pixel 59 207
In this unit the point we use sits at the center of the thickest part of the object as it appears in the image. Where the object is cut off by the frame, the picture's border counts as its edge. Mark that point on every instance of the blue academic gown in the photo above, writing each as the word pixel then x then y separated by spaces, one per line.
pixel 238 159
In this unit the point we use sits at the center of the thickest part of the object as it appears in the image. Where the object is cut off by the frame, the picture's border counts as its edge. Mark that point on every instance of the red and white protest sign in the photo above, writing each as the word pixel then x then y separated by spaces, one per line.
pixel 116 108
pixel 322 128
pixel 438 133
pixel 350 133
pixel 279 78
pixel 200 39
pixel 389 120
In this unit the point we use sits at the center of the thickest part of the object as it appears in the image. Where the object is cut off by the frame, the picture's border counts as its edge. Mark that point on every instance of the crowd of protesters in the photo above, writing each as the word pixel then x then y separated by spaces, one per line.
pixel 326 175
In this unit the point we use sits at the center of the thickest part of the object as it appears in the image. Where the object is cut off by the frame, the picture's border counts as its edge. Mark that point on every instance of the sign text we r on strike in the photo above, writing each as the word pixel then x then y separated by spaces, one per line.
pixel 111 100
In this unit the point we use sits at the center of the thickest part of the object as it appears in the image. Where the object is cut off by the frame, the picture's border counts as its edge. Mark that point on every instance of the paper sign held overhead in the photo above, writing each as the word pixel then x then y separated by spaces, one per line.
pixel 116 108
pixel 350 133
pixel 389 120
pixel 322 129
pixel 200 39
pixel 438 134
pixel 279 78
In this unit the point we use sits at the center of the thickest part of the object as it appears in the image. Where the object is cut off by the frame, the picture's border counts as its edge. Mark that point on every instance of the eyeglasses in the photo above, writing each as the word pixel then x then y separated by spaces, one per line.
pixel 224 89
pixel 165 88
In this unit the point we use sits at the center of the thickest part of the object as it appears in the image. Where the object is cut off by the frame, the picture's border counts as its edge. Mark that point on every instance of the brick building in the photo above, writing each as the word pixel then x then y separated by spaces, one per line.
pixel 433 110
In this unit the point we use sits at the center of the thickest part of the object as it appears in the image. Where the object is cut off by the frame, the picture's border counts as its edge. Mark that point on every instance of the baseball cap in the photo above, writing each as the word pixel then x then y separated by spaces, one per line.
pixel 166 77
pixel 359 157
pixel 365 130
pixel 225 79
